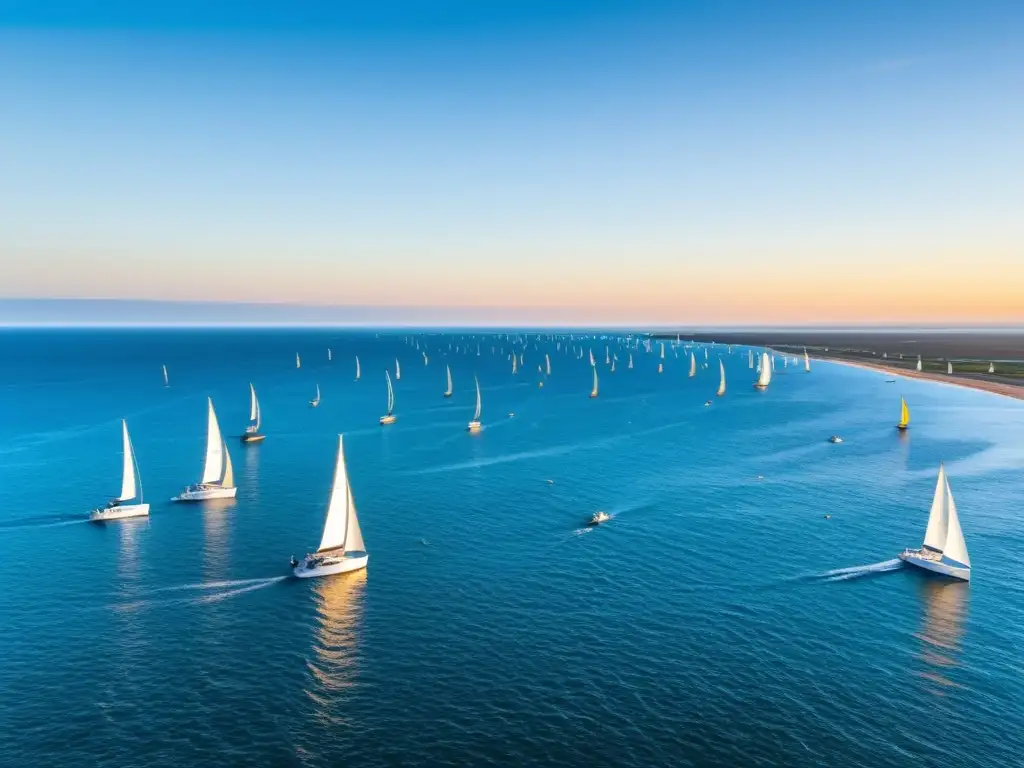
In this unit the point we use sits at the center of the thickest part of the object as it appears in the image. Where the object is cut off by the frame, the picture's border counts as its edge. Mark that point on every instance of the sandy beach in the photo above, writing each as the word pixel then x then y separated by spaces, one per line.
pixel 996 387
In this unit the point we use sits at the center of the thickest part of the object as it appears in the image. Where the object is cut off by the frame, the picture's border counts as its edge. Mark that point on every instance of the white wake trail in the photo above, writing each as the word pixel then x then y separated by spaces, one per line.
pixel 842 574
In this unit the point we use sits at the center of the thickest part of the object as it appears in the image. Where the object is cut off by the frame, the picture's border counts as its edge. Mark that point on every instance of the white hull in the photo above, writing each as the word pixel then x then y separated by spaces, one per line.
pixel 913 557
pixel 119 513
pixel 328 566
pixel 204 494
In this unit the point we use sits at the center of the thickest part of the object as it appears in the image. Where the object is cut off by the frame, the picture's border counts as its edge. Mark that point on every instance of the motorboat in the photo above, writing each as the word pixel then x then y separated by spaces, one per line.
pixel 599 517
pixel 835 439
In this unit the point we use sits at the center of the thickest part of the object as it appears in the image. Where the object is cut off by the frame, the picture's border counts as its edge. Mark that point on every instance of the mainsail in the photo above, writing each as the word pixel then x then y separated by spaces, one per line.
pixel 721 383
pixel 593 392
pixel 357 367
pixel 167 383
pixel 391 393
pixel 341 528
pixel 693 365
pixel 128 468
pixel 807 362
pixel 476 413
pixel 547 364
pixel 765 376
pixel 904 414
pixel 298 362
pixel 398 370
pixel 449 372
pixel 943 534
pixel 213 466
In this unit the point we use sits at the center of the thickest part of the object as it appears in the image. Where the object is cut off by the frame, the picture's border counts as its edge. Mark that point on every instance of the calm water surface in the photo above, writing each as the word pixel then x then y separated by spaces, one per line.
pixel 713 621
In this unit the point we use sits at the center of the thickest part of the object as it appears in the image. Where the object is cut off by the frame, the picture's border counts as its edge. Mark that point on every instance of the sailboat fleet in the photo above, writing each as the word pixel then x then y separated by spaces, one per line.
pixel 342 548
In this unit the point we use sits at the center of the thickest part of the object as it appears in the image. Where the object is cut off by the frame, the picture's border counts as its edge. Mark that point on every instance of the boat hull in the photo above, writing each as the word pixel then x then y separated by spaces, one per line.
pixel 761 387
pixel 447 394
pixel 911 557
pixel 331 566
pixel 385 420
pixel 205 494
pixel 902 427
pixel 474 426
pixel 253 438
pixel 119 513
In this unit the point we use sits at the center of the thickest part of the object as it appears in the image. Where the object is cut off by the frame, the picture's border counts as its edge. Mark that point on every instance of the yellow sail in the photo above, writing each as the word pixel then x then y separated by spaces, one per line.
pixel 904 414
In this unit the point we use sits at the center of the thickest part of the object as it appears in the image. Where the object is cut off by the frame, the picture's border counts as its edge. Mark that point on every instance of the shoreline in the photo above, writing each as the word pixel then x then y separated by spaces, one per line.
pixel 996 388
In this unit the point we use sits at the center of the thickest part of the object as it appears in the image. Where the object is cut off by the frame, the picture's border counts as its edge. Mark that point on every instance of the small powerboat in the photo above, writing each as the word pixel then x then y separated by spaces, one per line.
pixel 707 404
pixel 599 517
pixel 835 439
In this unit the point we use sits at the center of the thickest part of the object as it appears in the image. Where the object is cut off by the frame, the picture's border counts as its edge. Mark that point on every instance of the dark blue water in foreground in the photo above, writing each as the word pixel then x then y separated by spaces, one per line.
pixel 704 625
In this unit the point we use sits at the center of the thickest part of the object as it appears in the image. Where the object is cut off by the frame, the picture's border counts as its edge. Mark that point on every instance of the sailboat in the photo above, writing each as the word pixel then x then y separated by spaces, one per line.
pixel 918 362
pixel 252 432
pixel 448 392
pixel 116 509
pixel 547 365
pixel 629 365
pixel 592 363
pixel 167 382
pixel 315 402
pixel 357 367
pixel 612 369
pixel 904 415
pixel 329 355
pixel 474 424
pixel 693 365
pixel 663 350
pixel 949 368
pixel 218 480
pixel 425 358
pixel 661 367
pixel 750 359
pixel 765 376
pixel 607 356
pixel 593 392
pixel 298 361
pixel 389 417
pixel 807 363
pixel 944 550
pixel 721 382
pixel 514 363
pixel 341 546
pixel 398 370
pixel 991 367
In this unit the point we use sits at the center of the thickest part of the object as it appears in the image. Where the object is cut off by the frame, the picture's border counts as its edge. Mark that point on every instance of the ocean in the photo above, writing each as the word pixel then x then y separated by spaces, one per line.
pixel 719 618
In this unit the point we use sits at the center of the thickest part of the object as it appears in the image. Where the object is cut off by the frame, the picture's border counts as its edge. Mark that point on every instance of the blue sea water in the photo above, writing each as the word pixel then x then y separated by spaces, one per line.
pixel 717 619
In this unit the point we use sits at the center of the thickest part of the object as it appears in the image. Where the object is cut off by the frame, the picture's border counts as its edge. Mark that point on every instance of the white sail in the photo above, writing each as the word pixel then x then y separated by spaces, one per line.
pixel 298 362
pixel 128 468
pixel 721 383
pixel 336 524
pixel 750 359
pixel 594 391
pixel 663 350
pixel 607 356
pixel 807 362
pixel 449 372
pixel 935 534
pixel 514 362
pixel 919 362
pixel 547 364
pixel 357 367
pixel 254 406
pixel 706 353
pixel 317 398
pixel 765 376
pixel 949 367
pixel 991 367
pixel 228 481
pixel 329 356
pixel 398 370
pixel 391 393
pixel 693 365
pixel 213 466
pixel 630 365
pixel 476 413
pixel 353 534
pixel 166 381
pixel 955 547
pixel 592 357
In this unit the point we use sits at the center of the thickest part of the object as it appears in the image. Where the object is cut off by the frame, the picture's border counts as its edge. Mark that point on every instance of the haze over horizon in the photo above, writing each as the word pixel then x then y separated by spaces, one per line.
pixel 565 163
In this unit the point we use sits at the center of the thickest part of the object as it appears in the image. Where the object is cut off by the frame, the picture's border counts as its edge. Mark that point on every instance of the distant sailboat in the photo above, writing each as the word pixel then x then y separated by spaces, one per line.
pixel 661 367
pixel 593 392
pixel 693 366
pixel 329 356
pixel 448 371
pixel 807 363
pixel 341 546
pixel 662 350
pixel 750 359
pixel 592 363
pixel 949 368
pixel 547 365
pixel 474 423
pixel 607 356
pixel 389 417
pixel 252 432
pixel 765 376
pixel 167 381
pixel 357 367
pixel 919 362
pixel 944 550
pixel 629 365
pixel 514 364
pixel 131 487
pixel 398 370
pixel 425 358
pixel 298 360
pixel 315 402
pixel 904 415
pixel 721 382
pixel 612 369
pixel 991 367
pixel 218 480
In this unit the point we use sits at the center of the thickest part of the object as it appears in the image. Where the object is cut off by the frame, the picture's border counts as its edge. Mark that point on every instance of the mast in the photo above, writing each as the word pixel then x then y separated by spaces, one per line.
pixel 936 532
pixel 721 383
pixel 391 393
pixel 213 465
pixel 128 465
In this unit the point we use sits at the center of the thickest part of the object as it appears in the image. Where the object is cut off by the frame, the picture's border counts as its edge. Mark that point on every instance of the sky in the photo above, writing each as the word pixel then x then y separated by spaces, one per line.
pixel 704 163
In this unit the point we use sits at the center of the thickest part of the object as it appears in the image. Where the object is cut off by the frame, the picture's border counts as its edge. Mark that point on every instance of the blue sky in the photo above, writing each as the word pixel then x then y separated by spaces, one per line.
pixel 651 162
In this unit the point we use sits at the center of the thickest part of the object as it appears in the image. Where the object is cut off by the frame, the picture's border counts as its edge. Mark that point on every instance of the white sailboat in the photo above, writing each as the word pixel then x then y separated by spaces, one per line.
pixel 662 350
pixel 807 363
pixel 474 423
pixel 218 480
pixel 949 368
pixel 765 376
pixel 448 371
pixel 944 550
pixel 252 432
pixel 398 370
pixel 131 487
pixel 592 358
pixel 991 367
pixel 661 367
pixel 693 365
pixel 389 417
pixel 607 356
pixel 329 355
pixel 593 392
pixel 750 359
pixel 721 382
pixel 425 358
pixel 515 363
pixel 357 368
pixel 341 546
pixel 918 362
pixel 298 360
pixel 547 365
pixel 315 402
pixel 629 365
pixel 612 369
pixel 167 382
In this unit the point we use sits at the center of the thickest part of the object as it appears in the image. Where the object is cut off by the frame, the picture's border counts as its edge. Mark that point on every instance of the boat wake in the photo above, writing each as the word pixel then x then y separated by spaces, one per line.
pixel 857 571
pixel 43 521
pixel 212 592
